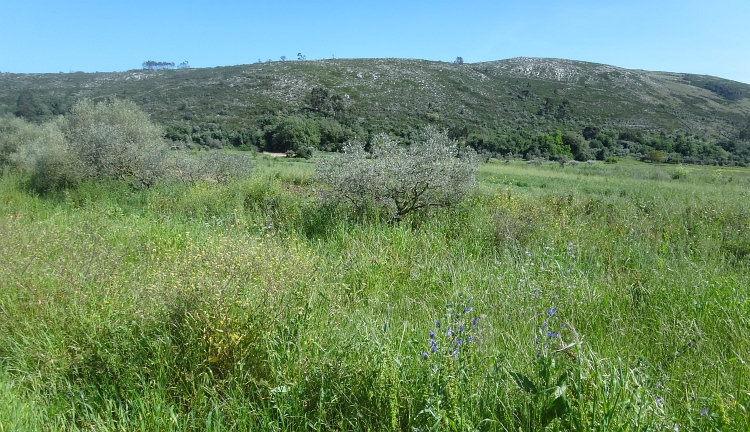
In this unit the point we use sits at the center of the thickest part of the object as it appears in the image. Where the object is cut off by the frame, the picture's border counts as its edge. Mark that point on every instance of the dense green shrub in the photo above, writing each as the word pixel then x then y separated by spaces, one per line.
pixel 15 133
pixel 432 172
pixel 115 140
pixel 108 140
pixel 210 166
pixel 295 134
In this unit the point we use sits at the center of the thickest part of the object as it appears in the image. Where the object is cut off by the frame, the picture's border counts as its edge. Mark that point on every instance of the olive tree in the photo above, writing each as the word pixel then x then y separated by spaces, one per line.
pixel 212 166
pixel 431 172
pixel 15 133
pixel 115 140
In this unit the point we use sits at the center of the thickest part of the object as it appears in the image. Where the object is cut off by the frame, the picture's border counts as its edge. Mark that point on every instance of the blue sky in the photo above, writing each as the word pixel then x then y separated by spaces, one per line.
pixel 704 37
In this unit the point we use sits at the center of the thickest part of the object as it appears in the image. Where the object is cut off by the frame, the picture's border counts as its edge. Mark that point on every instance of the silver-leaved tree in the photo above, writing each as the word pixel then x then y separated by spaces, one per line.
pixel 431 172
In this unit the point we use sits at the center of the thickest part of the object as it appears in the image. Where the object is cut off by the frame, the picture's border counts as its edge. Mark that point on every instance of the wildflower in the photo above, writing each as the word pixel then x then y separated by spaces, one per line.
pixel 434 348
pixel 432 342
pixel 424 355
pixel 449 332
pixel 551 311
pixel 461 330
pixel 432 334
pixel 455 352
pixel 458 342
pixel 437 323
pixel 704 411
pixel 470 339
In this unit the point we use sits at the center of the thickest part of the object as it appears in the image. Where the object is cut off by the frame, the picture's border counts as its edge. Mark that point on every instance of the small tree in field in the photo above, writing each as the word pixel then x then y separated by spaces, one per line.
pixel 432 172
pixel 115 140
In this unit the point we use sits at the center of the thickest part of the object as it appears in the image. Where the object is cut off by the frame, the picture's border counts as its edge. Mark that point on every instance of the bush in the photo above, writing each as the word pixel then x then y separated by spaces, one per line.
pixel 655 156
pixel 431 172
pixel 15 133
pixel 680 173
pixel 50 162
pixel 295 133
pixel 115 140
pixel 212 167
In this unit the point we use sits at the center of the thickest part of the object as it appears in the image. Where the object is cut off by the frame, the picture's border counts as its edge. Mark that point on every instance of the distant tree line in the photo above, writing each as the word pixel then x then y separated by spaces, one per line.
pixel 154 65
pixel 328 123
pixel 595 143
pixel 29 106
pixel 726 89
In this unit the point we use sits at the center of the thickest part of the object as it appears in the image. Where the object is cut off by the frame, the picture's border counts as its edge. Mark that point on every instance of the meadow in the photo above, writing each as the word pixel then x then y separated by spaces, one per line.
pixel 591 296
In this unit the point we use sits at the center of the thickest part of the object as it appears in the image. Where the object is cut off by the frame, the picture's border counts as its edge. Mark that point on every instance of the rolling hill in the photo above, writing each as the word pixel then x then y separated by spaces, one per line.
pixel 491 100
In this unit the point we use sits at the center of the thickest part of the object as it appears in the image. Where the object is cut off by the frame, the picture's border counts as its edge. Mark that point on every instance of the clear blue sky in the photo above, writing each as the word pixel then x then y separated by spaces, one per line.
pixel 704 37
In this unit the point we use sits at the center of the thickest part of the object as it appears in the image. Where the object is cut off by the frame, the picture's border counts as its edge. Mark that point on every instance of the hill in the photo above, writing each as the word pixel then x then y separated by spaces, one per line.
pixel 500 106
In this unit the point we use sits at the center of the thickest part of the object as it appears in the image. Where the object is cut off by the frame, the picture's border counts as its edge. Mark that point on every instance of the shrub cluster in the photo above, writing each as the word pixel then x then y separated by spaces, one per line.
pixel 431 172
pixel 104 141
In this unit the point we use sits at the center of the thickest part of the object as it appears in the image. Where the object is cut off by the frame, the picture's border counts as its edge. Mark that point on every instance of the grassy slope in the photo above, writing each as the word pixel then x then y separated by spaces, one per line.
pixel 401 94
pixel 250 307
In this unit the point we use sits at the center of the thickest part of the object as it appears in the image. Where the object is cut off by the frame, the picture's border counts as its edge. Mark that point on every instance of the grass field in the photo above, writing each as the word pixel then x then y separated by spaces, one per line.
pixel 585 297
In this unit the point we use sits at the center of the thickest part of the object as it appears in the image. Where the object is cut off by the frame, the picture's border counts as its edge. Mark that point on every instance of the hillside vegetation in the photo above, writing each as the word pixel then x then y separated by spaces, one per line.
pixel 525 106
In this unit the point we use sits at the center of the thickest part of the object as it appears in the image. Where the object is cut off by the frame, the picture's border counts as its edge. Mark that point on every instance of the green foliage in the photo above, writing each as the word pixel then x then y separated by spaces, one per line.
pixel 494 101
pixel 295 134
pixel 431 172
pixel 252 306
pixel 15 133
pixel 104 141
pixel 115 140
pixel 655 156
pixel 578 146
pixel 26 105
pixel 212 166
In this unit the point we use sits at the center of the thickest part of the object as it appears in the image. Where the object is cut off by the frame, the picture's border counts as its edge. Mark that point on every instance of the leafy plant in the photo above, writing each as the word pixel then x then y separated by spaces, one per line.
pixel 115 140
pixel 432 172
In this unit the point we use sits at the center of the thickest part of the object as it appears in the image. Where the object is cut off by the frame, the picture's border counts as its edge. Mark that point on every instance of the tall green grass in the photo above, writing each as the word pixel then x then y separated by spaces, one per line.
pixel 604 298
